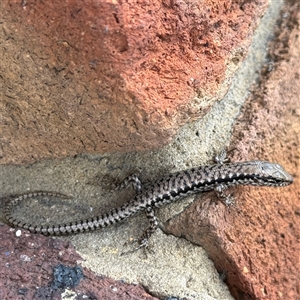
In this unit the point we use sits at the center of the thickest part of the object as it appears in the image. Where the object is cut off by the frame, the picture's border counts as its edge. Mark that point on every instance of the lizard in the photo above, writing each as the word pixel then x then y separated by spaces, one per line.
pixel 217 177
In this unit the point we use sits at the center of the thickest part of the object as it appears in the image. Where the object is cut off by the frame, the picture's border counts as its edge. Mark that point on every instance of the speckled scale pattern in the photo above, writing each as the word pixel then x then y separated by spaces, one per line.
pixel 168 189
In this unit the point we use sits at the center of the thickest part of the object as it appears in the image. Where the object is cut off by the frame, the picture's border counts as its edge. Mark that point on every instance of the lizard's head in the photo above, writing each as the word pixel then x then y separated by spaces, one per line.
pixel 274 174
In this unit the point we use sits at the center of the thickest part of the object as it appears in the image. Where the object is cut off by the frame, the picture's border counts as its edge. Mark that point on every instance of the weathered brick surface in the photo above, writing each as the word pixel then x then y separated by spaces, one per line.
pixel 113 76
pixel 256 245
pixel 26 271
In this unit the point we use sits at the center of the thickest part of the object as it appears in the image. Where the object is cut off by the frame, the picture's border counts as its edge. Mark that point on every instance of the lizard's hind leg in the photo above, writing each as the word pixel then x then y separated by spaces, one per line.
pixel 150 230
pixel 132 181
pixel 143 241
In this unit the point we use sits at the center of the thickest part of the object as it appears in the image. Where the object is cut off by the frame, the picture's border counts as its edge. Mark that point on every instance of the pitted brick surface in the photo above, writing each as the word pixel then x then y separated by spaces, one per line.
pixel 26 271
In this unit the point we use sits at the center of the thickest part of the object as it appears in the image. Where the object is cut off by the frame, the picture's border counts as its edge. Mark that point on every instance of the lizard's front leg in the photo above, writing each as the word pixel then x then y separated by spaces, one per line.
pixel 227 199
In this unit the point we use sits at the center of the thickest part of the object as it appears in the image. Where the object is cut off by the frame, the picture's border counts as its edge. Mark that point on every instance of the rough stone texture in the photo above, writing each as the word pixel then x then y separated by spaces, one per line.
pixel 113 76
pixel 182 267
pixel 26 271
pixel 257 244
pixel 172 267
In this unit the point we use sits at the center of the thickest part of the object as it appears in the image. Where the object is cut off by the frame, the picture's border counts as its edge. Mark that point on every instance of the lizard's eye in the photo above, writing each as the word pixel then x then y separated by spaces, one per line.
pixel 277 174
